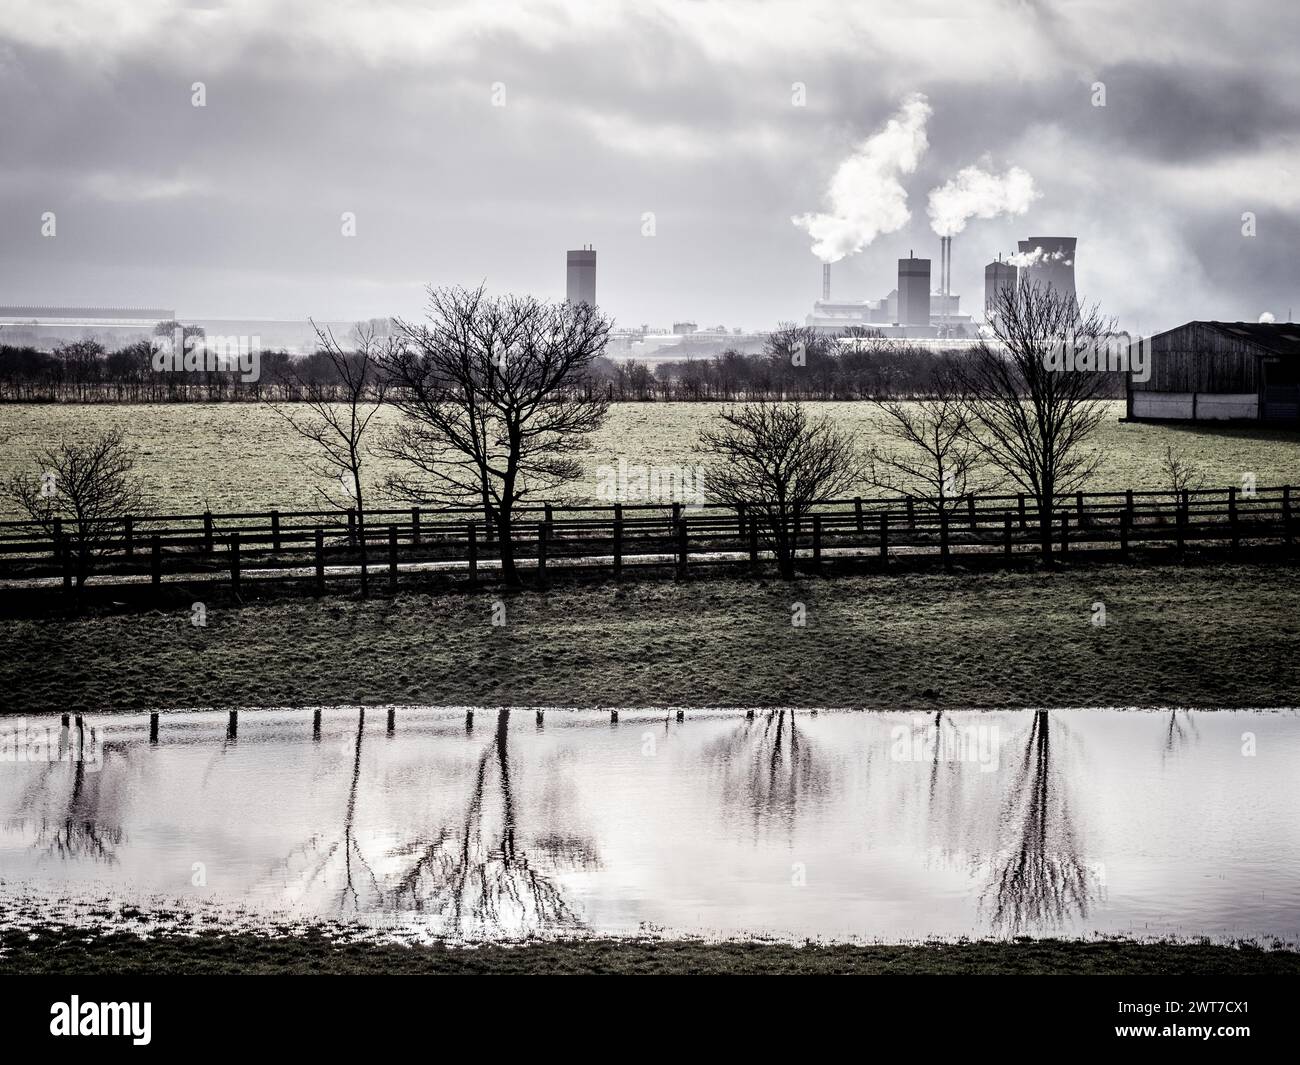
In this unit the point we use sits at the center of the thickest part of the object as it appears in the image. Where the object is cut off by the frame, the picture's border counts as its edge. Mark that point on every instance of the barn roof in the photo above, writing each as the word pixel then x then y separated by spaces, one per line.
pixel 1277 338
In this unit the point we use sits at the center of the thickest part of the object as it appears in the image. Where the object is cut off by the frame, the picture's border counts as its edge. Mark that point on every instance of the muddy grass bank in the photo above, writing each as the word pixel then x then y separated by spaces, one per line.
pixel 67 951
pixel 1219 635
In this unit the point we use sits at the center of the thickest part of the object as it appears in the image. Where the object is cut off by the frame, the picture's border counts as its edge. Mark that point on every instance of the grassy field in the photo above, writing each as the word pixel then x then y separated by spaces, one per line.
pixel 69 951
pixel 236 457
pixel 1213 635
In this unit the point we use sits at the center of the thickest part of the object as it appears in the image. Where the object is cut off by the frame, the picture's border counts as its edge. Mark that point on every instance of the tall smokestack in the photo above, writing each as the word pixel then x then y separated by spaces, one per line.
pixel 826 282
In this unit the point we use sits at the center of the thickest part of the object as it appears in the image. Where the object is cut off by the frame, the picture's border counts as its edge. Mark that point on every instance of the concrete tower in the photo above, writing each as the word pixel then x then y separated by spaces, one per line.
pixel 913 291
pixel 580 286
pixel 1050 263
pixel 997 276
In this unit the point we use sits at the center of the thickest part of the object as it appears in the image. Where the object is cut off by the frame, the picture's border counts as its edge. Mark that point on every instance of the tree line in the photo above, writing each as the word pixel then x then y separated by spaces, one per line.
pixel 796 362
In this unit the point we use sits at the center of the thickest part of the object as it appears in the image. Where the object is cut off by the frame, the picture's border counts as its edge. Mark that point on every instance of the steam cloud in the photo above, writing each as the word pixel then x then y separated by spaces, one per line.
pixel 865 197
pixel 977 193
pixel 1267 318
pixel 1037 257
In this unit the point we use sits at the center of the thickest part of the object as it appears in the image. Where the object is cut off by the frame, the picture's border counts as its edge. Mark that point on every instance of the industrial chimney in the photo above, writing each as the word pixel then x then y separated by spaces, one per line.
pixel 826 282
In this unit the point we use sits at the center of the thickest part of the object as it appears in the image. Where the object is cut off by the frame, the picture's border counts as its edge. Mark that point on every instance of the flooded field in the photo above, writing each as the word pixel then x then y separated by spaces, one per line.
pixel 499 824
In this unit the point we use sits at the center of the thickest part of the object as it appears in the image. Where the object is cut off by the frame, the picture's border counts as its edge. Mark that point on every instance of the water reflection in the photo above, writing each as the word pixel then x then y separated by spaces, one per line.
pixel 1039 881
pixel 477 874
pixel 778 822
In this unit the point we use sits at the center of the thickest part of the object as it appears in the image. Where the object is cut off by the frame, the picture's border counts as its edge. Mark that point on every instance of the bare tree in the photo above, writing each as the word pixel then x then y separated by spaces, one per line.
pixel 82 489
pixel 1030 412
pixel 341 407
pixel 930 452
pixel 778 463
pixel 1180 475
pixel 496 401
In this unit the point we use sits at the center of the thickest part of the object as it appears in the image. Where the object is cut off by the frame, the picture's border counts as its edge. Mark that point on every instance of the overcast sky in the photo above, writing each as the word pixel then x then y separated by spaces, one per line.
pixel 684 109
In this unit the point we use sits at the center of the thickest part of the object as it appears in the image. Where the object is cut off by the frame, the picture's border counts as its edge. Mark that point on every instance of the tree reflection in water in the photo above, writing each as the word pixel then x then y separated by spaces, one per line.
pixel 767 766
pixel 78 833
pixel 479 877
pixel 1181 732
pixel 1039 881
pixel 474 871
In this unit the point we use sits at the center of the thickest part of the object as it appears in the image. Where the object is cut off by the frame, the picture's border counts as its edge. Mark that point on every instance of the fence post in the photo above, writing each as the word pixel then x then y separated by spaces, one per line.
pixel 207 531
pixel 415 526
pixel 234 563
pixel 911 513
pixel 740 511
pixel 817 541
pixel 682 547
pixel 943 538
pixel 1078 505
pixel 541 552
pixel 618 541
pixel 753 543
pixel 128 533
pixel 1006 533
pixel 857 511
pixel 352 527
pixel 275 531
pixel 677 515
pixel 884 537
pixel 472 550
pixel 320 560
pixel 59 546
pixel 1021 501
pixel 392 558
pixel 1065 532
pixel 155 560
pixel 1286 513
pixel 1124 520
pixel 970 509
pixel 1128 504
pixel 1232 515
pixel 549 514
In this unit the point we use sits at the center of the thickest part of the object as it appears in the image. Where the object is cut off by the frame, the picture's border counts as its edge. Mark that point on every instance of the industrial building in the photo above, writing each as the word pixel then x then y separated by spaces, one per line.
pixel 580 278
pixel 921 314
pixel 1217 371
pixel 998 277
pixel 1048 262
pixel 47 327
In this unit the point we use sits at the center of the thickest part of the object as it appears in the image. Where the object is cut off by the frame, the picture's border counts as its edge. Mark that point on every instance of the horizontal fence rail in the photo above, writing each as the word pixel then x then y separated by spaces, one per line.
pixel 330 546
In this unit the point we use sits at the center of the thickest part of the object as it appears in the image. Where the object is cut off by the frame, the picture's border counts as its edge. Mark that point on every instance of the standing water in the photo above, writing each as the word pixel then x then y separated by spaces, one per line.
pixel 501 823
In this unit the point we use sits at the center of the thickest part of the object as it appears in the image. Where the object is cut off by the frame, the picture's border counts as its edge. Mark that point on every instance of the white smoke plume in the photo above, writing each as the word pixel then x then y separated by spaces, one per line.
pixel 1267 318
pixel 865 197
pixel 977 193
pixel 1036 257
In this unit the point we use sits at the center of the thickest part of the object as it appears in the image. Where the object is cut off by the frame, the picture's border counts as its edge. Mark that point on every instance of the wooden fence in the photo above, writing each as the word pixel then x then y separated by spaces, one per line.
pixel 330 546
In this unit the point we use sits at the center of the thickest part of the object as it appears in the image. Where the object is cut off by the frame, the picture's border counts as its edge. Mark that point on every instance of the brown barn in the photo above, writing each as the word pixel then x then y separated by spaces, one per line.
pixel 1220 371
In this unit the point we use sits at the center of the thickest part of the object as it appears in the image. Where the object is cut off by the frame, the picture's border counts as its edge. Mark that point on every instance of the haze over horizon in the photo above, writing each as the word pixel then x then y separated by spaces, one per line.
pixel 479 143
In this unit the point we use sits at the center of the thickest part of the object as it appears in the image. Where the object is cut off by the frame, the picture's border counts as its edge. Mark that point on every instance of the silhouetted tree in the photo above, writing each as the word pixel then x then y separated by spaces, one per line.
pixel 496 401
pixel 779 464
pixel 1030 417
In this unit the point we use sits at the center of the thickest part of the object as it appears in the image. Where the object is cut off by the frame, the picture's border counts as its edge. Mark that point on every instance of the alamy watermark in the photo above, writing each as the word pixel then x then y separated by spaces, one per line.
pixel 1117 354
pixel 42 741
pixel 627 483
pixel 191 354
pixel 924 741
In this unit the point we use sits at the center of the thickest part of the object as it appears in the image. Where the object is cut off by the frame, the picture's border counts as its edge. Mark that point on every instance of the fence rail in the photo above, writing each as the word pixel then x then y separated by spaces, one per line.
pixel 330 546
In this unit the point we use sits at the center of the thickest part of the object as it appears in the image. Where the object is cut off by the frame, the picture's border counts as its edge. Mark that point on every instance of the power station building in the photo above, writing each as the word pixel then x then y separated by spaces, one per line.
pixel 1217 371
pixel 1049 263
pixel 580 277
pixel 914 291
pixel 998 277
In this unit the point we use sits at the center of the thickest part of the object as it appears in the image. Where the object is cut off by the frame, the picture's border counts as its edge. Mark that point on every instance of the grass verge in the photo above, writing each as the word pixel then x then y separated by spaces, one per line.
pixel 66 951
pixel 1217 635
